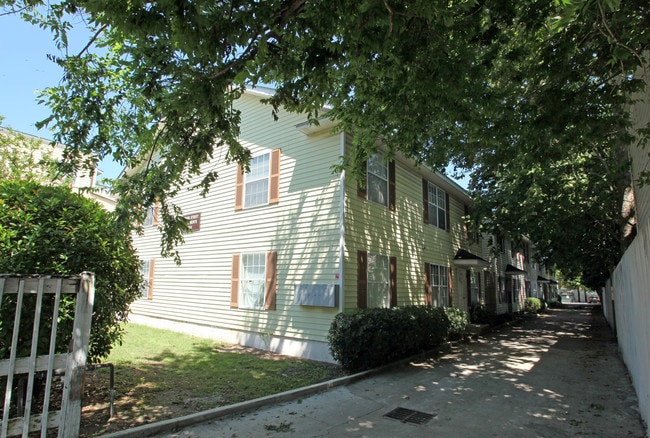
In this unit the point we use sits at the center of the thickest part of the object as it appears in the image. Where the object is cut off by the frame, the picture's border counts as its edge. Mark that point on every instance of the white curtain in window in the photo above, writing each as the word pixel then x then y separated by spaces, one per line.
pixel 253 278
pixel 144 272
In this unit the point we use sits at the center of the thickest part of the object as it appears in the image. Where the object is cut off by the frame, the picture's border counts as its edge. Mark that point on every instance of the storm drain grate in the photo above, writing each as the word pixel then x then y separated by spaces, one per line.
pixel 409 416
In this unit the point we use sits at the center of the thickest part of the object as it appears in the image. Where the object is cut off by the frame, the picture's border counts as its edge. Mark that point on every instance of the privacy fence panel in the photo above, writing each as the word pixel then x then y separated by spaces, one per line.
pixel 631 298
pixel 44 335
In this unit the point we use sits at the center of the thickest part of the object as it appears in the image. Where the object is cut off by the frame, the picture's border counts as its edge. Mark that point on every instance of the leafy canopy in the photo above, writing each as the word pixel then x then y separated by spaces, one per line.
pixel 530 96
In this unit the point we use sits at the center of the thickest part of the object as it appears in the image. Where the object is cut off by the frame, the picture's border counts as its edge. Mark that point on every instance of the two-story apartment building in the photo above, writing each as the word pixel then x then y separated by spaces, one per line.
pixel 513 274
pixel 274 254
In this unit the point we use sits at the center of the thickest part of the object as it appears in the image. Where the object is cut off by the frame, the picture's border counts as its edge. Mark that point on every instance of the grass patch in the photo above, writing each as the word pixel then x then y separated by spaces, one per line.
pixel 161 374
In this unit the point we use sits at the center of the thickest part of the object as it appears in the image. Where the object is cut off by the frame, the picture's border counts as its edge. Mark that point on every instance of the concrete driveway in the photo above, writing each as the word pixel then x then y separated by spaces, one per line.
pixel 557 375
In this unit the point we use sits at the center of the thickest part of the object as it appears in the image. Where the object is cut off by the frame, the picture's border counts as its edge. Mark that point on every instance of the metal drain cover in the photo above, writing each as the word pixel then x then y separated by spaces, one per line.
pixel 409 416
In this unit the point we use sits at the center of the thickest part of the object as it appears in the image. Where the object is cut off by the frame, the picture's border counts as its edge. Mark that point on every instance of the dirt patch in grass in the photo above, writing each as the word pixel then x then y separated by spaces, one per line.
pixel 171 384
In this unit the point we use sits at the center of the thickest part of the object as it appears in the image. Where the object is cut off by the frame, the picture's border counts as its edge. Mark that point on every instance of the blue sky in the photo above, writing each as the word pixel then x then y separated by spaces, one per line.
pixel 24 69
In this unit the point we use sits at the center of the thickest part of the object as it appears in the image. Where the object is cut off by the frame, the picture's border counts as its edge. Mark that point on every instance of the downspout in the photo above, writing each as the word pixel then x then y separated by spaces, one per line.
pixel 342 228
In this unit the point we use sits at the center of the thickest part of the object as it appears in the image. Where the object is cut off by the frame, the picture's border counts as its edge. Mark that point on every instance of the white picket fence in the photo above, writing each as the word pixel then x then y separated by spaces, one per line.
pixel 71 364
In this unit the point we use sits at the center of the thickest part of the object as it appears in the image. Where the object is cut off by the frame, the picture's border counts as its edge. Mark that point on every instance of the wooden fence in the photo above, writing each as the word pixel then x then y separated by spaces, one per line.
pixel 26 365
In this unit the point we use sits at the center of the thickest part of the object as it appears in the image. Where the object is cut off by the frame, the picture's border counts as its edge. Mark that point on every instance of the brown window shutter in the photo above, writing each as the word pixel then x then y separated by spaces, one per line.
pixel 239 189
pixel 500 289
pixel 427 284
pixel 362 279
pixel 152 267
pixel 465 221
pixel 362 191
pixel 271 280
pixel 468 282
pixel 450 282
pixel 156 214
pixel 393 281
pixel 234 281
pixel 391 185
pixel 447 211
pixel 274 182
pixel 480 291
pixel 425 200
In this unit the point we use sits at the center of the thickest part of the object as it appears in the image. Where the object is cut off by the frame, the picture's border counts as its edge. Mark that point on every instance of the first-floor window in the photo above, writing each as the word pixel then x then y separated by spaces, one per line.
pixel 475 282
pixel 378 280
pixel 252 281
pixel 516 290
pixel 439 286
pixel 146 271
pixel 502 289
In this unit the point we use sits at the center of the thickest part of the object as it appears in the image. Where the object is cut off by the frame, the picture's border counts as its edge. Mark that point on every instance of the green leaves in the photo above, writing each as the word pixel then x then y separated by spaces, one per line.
pixel 514 91
pixel 50 230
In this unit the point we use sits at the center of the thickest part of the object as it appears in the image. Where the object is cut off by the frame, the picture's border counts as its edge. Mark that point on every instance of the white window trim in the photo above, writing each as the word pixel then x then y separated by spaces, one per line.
pixel 242 304
pixel 145 272
pixel 435 288
pixel 386 284
pixel 386 179
pixel 247 180
pixel 149 218
pixel 434 219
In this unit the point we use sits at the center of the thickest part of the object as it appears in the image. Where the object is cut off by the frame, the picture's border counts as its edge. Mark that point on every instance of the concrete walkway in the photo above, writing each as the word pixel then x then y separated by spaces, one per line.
pixel 558 375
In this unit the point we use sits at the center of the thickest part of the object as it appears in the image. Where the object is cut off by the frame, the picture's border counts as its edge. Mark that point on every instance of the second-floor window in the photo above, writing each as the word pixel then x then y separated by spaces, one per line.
pixel 261 185
pixel 151 219
pixel 256 187
pixel 379 186
pixel 436 207
pixel 501 242
pixel 378 180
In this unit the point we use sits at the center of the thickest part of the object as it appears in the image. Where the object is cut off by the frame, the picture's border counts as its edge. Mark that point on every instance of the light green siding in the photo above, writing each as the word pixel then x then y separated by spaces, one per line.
pixel 303 228
pixel 306 231
pixel 402 233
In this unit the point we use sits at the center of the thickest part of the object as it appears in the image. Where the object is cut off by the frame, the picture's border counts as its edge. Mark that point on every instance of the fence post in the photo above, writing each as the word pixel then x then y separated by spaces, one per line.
pixel 73 381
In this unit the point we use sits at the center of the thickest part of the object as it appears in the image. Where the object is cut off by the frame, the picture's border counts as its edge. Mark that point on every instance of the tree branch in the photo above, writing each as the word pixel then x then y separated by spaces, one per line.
pixel 618 43
pixel 391 13
pixel 92 40
pixel 14 11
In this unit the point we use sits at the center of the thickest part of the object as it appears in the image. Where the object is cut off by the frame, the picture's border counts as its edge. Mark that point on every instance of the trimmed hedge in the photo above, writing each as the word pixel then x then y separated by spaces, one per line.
pixel 369 338
pixel 458 322
pixel 533 305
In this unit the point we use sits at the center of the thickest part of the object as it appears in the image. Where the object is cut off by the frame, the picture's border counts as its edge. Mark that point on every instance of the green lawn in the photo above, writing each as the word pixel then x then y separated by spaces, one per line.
pixel 161 374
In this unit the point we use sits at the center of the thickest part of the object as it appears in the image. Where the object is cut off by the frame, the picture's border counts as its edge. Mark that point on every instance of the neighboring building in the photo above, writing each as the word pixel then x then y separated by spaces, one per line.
pixel 506 274
pixel 37 150
pixel 276 253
